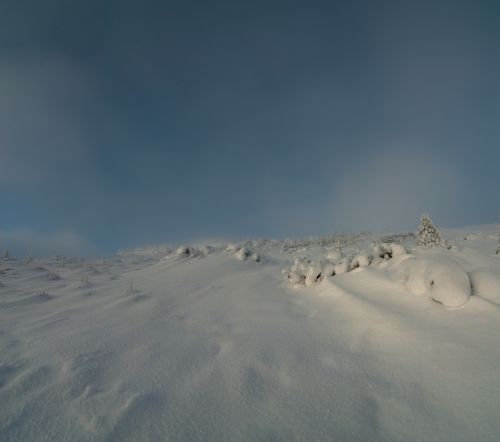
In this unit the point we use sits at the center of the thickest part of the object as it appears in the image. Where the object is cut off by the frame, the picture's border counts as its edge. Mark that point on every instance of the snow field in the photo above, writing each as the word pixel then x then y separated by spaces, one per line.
pixel 204 346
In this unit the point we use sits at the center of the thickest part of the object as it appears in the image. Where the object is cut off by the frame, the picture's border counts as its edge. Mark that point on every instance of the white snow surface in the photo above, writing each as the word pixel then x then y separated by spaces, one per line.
pixel 212 344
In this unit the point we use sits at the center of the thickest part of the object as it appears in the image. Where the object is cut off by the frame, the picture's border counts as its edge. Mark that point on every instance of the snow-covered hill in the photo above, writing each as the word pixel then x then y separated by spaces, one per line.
pixel 232 342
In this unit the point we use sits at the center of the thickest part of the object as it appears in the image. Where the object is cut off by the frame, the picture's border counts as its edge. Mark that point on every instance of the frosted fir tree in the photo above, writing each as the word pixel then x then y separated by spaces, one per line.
pixel 428 235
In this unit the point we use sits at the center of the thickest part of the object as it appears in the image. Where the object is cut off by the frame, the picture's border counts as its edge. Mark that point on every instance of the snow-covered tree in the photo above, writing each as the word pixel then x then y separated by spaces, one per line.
pixel 428 235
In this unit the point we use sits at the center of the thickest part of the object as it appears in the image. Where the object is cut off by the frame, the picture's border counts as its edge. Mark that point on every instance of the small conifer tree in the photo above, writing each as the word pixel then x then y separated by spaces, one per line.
pixel 428 235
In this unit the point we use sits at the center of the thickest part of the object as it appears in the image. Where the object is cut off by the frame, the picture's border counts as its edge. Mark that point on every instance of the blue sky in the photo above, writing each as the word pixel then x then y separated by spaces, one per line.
pixel 124 123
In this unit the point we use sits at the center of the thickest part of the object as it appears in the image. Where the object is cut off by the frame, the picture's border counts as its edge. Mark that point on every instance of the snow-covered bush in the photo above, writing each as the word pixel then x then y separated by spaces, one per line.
pixel 397 250
pixel 388 250
pixel 343 266
pixel 360 260
pixel 244 253
pixel 306 272
pixel 232 247
pixel 428 235
pixel 435 275
pixel 182 251
pixel 187 251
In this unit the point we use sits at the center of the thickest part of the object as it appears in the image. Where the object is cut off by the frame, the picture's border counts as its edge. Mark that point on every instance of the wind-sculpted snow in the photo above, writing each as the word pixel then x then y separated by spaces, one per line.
pixel 203 345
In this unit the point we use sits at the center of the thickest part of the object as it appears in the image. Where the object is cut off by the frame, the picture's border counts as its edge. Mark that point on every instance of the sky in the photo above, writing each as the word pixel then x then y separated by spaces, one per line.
pixel 124 123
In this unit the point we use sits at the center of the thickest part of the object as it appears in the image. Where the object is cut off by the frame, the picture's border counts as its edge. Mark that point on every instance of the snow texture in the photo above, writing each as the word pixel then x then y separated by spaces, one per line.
pixel 373 341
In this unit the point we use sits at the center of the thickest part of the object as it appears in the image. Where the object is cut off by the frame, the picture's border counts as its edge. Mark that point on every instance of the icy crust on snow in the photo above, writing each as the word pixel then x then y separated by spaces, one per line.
pixel 435 275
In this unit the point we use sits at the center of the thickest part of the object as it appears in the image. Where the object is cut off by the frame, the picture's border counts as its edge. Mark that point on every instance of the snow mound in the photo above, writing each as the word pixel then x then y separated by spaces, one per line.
pixel 435 275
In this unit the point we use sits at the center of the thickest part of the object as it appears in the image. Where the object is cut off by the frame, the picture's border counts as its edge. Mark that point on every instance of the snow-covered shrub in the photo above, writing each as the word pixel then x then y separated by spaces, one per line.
pixel 182 251
pixel 360 260
pixel 380 251
pixel 428 235
pixel 256 257
pixel 305 272
pixel 243 253
pixel 343 266
pixel 187 251
pixel 436 275
pixel 313 273
pixel 398 249
pixel 232 247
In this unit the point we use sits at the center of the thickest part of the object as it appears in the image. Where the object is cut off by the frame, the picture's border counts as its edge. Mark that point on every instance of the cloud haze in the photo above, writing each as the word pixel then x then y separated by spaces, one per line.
pixel 20 242
pixel 390 189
